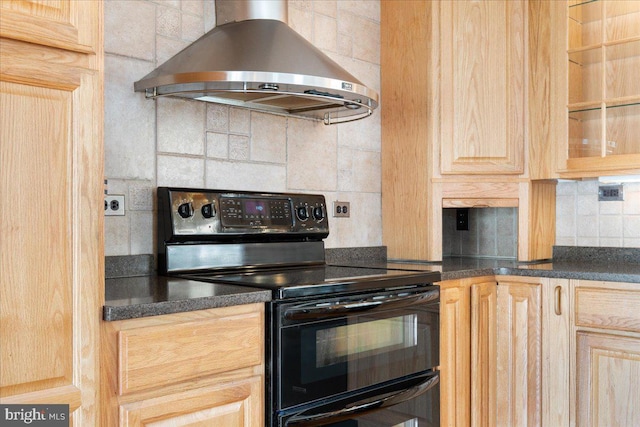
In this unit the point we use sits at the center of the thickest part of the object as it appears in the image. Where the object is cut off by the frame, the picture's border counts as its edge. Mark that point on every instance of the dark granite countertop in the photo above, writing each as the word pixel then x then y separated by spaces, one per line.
pixel 460 268
pixel 147 294
pixel 606 264
pixel 152 295
pixel 612 272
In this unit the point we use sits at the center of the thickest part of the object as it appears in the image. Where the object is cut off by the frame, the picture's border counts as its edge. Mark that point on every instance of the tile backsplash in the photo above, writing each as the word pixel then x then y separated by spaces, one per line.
pixel 582 220
pixel 493 232
pixel 170 142
pixel 192 144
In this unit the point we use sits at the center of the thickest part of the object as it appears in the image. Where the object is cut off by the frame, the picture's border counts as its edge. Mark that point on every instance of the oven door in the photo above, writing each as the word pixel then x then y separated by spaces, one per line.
pixel 407 403
pixel 327 349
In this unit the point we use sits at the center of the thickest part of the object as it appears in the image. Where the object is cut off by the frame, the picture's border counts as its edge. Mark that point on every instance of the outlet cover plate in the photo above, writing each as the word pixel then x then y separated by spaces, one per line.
pixel 114 205
pixel 341 209
pixel 610 193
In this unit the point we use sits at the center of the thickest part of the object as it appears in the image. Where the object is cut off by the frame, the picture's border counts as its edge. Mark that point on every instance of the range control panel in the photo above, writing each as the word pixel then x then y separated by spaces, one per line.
pixel 195 212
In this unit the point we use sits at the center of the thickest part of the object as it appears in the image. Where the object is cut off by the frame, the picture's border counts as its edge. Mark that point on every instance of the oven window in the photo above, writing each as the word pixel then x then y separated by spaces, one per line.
pixel 318 359
pixel 337 344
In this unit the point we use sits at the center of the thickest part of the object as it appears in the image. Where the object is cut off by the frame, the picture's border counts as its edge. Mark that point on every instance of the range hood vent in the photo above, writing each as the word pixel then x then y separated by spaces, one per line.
pixel 253 59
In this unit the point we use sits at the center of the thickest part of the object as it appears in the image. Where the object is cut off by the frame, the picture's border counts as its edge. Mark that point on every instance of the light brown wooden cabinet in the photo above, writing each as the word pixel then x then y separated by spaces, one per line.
pixel 455 353
pixel 596 52
pixel 468 351
pixel 606 360
pixel 203 366
pixel 504 351
pixel 519 355
pixel 465 121
pixel 51 198
pixel 482 87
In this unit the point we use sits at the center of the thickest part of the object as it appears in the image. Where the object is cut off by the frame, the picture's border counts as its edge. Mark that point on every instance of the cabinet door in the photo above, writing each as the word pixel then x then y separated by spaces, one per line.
pixel 51 219
pixel 556 333
pixel 607 357
pixel 519 354
pixel 483 353
pixel 608 380
pixel 596 51
pixel 234 404
pixel 467 352
pixel 64 24
pixel 454 354
pixel 483 86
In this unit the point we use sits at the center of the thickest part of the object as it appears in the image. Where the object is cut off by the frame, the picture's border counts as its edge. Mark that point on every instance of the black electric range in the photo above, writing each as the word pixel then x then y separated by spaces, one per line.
pixel 352 344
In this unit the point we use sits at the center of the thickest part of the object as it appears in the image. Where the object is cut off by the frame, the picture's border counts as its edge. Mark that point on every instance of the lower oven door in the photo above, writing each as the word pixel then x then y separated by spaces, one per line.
pixel 407 403
pixel 329 348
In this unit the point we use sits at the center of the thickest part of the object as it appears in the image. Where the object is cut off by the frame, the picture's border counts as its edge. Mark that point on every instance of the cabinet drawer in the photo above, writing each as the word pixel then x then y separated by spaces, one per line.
pixel 153 356
pixel 237 404
pixel 608 308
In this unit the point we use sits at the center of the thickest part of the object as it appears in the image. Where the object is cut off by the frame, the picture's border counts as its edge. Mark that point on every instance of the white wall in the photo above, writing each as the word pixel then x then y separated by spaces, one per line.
pixel 186 143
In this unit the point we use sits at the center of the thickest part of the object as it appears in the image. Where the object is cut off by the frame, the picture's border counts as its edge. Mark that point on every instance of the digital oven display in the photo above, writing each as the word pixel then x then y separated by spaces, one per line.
pixel 256 208
pixel 243 212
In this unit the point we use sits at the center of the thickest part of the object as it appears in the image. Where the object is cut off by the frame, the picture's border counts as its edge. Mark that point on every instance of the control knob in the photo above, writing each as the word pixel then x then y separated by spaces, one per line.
pixel 302 213
pixel 208 210
pixel 185 210
pixel 318 213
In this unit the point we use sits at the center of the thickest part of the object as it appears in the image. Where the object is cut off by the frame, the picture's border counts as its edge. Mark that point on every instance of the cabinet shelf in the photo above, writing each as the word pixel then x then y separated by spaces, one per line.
pixel 581 107
pixel 629 42
pixel 579 3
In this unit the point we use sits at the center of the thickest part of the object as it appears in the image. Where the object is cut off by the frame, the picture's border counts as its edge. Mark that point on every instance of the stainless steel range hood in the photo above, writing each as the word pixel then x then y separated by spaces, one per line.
pixel 253 59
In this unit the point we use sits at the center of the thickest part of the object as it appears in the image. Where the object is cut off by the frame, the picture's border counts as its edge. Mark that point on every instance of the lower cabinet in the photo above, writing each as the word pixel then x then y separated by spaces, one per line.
pixel 467 351
pixel 607 354
pixel 455 353
pixel 195 368
pixel 226 404
pixel 504 352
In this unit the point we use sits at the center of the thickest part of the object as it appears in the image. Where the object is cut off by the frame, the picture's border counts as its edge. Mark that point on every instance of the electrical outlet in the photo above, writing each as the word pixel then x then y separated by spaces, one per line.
pixel 341 209
pixel 462 219
pixel 114 204
pixel 610 193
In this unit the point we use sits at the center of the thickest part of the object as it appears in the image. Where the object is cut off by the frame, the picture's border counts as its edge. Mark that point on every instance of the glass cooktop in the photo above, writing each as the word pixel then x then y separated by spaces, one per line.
pixel 322 279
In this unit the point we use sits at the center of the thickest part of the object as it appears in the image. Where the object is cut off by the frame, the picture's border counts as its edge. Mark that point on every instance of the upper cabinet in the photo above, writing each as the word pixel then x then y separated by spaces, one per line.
pixel 68 25
pixel 482 86
pixel 465 120
pixel 51 198
pixel 598 57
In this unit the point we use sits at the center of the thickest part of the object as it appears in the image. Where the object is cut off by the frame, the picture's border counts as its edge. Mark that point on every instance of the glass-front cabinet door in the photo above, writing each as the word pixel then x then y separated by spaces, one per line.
pixel 603 86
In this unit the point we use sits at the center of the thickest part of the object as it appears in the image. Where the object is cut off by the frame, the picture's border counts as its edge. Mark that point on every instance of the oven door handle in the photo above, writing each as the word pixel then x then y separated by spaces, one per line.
pixel 305 312
pixel 364 406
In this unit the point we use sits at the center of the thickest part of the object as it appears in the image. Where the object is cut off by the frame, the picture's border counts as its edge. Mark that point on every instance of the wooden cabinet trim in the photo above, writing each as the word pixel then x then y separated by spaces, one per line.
pixel 70 26
pixel 480 203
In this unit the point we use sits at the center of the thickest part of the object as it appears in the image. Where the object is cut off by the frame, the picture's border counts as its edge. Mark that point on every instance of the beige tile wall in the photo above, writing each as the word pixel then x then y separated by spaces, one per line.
pixel 181 143
pixel 186 143
pixel 581 220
